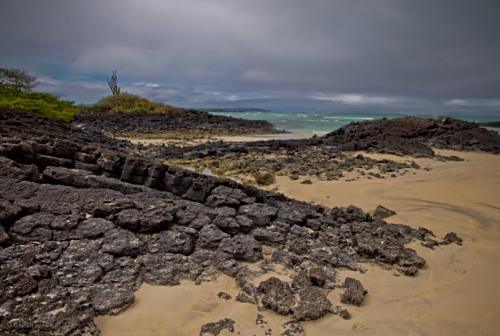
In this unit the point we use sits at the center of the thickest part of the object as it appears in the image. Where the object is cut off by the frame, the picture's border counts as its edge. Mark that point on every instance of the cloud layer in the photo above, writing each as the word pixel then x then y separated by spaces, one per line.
pixel 440 54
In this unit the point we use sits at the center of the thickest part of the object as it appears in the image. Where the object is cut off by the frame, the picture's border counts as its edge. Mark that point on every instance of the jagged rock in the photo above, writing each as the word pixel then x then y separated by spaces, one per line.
pixel 34 227
pixel 430 243
pixel 276 295
pixel 210 236
pixel 382 212
pixel 225 196
pixel 233 224
pixel 286 258
pixel 80 241
pixel 119 242
pixel 215 328
pixel 241 247
pixel 22 283
pixel 172 241
pixel 343 313
pixel 268 236
pixel 156 219
pixel 306 276
pixel 91 228
pixel 354 292
pixel 111 299
pixel 245 298
pixel 129 219
pixel 198 191
pixel 317 276
pixel 10 168
pixel 349 214
pixel 261 214
pixel 8 212
pixel 293 328
pixel 168 269
pixel 451 237
pixel 312 304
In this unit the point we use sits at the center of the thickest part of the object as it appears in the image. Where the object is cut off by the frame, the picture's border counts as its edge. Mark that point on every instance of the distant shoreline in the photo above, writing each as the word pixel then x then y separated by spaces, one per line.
pixel 494 124
pixel 233 109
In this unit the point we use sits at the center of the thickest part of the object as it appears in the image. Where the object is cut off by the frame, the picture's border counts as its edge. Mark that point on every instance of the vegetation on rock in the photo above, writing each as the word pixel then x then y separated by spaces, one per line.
pixel 15 93
pixel 44 104
pixel 128 103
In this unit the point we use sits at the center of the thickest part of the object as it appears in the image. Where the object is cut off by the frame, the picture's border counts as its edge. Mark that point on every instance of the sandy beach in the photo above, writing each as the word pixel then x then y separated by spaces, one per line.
pixel 194 140
pixel 454 294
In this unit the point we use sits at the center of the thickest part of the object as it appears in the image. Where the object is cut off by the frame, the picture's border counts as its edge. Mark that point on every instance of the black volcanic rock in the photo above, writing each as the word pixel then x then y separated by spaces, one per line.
pixel 312 305
pixel 174 121
pixel 277 295
pixel 382 212
pixel 80 241
pixel 241 247
pixel 414 136
pixel 354 292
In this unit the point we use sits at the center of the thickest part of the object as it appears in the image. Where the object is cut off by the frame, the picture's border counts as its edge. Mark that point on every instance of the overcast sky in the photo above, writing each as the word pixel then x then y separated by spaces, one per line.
pixel 406 56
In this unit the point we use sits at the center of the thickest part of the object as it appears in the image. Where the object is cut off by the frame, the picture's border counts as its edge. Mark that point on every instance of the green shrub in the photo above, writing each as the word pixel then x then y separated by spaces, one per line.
pixel 41 103
pixel 128 103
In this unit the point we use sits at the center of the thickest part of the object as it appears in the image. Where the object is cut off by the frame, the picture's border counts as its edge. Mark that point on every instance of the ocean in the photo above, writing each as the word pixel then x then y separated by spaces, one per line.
pixel 310 123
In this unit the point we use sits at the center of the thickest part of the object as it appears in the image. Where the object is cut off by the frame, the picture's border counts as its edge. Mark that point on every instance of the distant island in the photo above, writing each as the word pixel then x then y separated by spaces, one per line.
pixel 234 109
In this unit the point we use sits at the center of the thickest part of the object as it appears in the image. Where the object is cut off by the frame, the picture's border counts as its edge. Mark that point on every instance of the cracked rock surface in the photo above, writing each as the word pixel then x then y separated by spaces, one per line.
pixel 83 224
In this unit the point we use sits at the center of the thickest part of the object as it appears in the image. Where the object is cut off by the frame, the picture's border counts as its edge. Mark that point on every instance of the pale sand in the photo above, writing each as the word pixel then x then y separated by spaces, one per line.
pixel 193 141
pixel 457 293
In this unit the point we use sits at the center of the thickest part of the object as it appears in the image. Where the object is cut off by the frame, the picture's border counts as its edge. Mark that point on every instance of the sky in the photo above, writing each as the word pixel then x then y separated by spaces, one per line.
pixel 388 56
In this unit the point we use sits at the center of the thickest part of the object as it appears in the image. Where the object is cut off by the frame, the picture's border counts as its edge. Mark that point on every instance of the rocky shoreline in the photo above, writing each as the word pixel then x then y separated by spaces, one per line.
pixel 409 136
pixel 170 124
pixel 86 219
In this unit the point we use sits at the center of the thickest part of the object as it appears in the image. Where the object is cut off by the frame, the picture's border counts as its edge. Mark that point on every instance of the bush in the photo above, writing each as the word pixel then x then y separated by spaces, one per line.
pixel 41 103
pixel 264 178
pixel 128 103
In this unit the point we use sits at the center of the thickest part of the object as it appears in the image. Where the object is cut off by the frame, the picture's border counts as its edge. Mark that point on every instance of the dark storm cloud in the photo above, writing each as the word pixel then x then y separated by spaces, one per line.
pixel 437 54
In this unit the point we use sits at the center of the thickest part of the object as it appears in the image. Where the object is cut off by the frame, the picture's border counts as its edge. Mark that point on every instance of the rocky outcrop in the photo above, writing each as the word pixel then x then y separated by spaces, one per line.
pixel 181 120
pixel 414 136
pixel 354 292
pixel 215 328
pixel 401 136
pixel 83 224
pixel 382 212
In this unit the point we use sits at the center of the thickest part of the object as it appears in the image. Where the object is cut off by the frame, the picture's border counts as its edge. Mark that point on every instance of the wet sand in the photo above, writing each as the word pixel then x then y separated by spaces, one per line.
pixel 456 293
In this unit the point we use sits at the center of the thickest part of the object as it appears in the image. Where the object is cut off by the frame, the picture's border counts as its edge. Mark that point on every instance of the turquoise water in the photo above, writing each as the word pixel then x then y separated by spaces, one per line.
pixel 322 122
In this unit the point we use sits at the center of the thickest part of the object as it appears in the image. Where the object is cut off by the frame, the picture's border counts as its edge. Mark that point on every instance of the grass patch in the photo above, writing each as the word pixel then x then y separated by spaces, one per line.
pixel 128 103
pixel 44 104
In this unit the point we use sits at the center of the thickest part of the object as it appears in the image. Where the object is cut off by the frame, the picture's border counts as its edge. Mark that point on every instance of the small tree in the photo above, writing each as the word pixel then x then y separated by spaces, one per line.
pixel 16 79
pixel 113 84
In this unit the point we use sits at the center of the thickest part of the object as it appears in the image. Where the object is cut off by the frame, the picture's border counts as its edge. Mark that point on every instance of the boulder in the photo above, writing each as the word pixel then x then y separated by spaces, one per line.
pixel 354 292
pixel 382 212
pixel 276 295
pixel 242 248
pixel 119 242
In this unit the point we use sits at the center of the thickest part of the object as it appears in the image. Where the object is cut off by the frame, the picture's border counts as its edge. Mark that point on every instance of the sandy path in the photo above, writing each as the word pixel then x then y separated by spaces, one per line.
pixel 457 293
